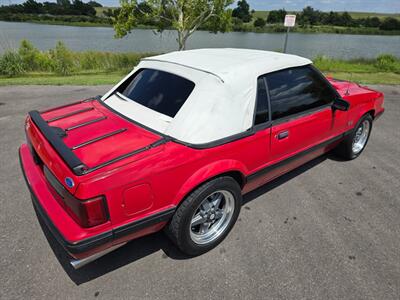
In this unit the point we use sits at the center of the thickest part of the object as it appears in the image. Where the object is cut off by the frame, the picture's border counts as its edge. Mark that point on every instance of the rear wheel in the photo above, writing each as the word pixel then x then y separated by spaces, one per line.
pixel 354 144
pixel 206 216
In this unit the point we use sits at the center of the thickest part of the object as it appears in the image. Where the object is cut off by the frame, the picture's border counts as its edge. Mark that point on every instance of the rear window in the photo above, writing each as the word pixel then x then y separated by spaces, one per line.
pixel 158 90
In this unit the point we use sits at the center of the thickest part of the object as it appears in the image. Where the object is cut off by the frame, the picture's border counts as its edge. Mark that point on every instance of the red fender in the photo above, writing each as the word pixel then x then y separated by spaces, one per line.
pixel 207 172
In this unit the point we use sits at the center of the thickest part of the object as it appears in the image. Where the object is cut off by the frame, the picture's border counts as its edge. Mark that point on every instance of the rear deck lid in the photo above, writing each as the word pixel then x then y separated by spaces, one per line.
pixel 91 135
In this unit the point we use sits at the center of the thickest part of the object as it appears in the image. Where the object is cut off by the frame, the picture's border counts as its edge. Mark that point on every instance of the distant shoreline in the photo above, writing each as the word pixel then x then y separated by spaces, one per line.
pixel 268 29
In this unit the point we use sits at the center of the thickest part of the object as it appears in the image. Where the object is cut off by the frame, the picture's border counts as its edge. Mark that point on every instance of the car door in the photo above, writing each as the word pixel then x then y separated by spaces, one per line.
pixel 301 113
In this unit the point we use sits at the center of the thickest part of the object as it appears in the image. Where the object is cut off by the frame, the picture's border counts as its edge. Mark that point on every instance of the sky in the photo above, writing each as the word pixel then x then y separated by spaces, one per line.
pixel 382 6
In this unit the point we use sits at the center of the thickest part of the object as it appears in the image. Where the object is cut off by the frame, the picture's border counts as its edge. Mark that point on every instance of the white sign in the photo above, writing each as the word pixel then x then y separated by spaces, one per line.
pixel 290 20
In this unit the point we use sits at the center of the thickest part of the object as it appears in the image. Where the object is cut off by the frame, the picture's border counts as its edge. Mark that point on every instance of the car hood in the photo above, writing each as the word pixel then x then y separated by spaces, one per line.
pixel 96 134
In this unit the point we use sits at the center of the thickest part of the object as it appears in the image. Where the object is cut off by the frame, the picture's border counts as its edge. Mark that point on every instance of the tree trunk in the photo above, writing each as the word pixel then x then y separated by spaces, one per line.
pixel 181 40
pixel 181 30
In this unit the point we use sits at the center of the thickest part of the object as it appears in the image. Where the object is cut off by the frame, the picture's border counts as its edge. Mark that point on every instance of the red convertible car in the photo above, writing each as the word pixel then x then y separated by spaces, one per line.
pixel 179 140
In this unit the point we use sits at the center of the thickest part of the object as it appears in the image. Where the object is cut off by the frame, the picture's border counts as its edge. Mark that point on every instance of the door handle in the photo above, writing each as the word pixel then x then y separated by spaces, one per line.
pixel 282 135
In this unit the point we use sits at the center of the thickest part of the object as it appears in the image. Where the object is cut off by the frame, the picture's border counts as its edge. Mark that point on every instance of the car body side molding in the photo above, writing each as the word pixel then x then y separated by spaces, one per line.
pixel 281 163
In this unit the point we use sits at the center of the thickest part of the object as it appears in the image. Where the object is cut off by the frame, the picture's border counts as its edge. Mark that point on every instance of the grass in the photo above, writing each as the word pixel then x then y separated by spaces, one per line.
pixel 87 78
pixel 61 66
pixel 100 78
pixel 100 10
pixel 367 78
pixel 64 23
pixel 260 14
pixel 359 15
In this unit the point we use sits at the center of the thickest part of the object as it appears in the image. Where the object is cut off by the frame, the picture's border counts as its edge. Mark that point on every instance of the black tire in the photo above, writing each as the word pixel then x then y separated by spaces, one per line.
pixel 179 229
pixel 345 148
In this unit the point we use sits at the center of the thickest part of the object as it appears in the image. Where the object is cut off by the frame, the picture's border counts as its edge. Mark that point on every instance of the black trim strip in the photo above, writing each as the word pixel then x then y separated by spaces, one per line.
pixel 111 161
pixel 70 114
pixel 213 144
pixel 281 163
pixel 72 161
pixel 100 239
pixel 86 123
pixel 219 142
pixel 124 230
pixel 99 138
pixel 301 114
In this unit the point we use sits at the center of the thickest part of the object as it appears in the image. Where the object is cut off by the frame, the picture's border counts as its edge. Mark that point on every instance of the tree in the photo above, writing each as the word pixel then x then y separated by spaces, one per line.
pixel 242 11
pixel 32 7
pixel 276 16
pixel 259 22
pixel 310 16
pixel 94 4
pixel 390 24
pixel 347 19
pixel 372 22
pixel 185 16
pixel 64 3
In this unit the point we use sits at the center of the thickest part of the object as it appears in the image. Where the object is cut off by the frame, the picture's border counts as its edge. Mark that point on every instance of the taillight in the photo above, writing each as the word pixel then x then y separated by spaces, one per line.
pixel 88 213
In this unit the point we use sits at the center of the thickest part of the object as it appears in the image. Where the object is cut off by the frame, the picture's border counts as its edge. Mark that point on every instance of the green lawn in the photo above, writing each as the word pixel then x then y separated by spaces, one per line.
pixel 51 79
pixel 368 78
pixel 260 14
pixel 359 15
pixel 100 10
pixel 114 77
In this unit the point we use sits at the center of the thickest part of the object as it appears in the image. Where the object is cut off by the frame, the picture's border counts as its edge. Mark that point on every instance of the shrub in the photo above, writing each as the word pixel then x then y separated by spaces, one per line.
pixel 259 22
pixel 390 24
pixel 62 57
pixel 90 60
pixel 29 55
pixel 11 64
pixel 386 62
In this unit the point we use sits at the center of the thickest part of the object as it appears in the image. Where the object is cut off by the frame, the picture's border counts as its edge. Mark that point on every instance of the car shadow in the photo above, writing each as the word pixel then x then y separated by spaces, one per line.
pixel 142 247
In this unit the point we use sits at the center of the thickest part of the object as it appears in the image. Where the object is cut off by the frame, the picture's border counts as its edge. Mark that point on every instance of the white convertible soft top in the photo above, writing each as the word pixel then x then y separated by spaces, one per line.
pixel 222 102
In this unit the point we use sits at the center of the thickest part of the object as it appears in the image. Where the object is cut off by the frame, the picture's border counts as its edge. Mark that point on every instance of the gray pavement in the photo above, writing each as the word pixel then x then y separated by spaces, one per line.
pixel 328 230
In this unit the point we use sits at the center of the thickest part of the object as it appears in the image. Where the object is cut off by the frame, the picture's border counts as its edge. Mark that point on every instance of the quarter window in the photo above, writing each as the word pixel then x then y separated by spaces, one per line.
pixel 296 90
pixel 158 90
pixel 261 102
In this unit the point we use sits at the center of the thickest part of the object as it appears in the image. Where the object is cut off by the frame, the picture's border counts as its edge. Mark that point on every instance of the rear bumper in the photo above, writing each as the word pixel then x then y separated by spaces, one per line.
pixel 60 223
pixel 42 198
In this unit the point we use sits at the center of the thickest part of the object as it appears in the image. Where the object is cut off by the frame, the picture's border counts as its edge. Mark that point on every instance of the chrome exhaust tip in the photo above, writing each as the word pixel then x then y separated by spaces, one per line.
pixel 79 263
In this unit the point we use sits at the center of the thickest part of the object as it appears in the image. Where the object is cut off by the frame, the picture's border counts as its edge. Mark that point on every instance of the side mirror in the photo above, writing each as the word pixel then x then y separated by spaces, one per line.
pixel 340 104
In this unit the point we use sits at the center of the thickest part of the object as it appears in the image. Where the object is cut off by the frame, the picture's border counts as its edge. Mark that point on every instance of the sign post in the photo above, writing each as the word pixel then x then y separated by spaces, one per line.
pixel 290 21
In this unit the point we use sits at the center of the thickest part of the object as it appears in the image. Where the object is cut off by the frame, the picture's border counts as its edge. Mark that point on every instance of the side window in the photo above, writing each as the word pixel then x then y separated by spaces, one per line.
pixel 296 90
pixel 262 115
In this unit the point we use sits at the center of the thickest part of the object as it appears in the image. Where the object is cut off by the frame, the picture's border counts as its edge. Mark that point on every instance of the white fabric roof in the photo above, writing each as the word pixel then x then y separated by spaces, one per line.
pixel 222 102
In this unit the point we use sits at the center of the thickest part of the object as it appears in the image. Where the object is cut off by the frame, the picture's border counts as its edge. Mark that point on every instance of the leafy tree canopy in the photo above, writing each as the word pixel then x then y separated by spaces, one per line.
pixel 242 11
pixel 185 16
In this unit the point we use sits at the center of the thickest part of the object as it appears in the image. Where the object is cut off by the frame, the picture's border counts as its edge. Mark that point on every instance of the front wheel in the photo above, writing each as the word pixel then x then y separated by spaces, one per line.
pixel 354 144
pixel 206 216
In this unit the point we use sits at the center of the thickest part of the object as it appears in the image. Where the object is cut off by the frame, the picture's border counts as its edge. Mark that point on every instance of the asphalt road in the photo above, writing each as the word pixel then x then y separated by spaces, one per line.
pixel 329 230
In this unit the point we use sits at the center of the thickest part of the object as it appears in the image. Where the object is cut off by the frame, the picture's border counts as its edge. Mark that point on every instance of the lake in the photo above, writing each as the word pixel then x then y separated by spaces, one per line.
pixel 101 39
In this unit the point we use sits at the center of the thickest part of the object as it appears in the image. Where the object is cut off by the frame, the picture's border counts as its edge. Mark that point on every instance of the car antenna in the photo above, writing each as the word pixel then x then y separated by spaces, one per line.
pixel 348 86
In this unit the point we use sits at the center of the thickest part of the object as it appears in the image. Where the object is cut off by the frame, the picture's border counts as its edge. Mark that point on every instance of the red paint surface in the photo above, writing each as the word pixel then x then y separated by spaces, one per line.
pixel 171 171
